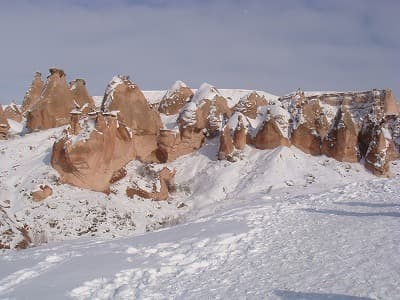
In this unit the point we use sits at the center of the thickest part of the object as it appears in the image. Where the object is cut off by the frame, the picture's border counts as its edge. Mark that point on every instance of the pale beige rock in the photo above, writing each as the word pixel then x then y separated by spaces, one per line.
pixel 33 94
pixel 341 143
pixel 4 126
pixel 166 180
pixel 270 136
pixel 13 112
pixel 249 104
pixel 54 105
pixel 134 111
pixel 226 147
pixel 240 135
pixel 175 99
pixel 42 193
pixel 172 144
pixel 91 161
pixel 308 135
pixel 81 96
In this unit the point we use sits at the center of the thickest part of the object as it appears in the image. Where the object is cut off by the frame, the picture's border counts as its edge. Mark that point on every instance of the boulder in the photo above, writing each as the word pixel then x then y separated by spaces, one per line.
pixel 54 105
pixel 165 183
pixel 134 111
pixel 89 158
pixel 175 99
pixel 41 193
pixel 33 94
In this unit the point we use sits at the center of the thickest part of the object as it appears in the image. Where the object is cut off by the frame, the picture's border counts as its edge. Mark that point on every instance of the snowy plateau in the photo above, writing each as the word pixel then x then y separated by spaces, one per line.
pixel 275 224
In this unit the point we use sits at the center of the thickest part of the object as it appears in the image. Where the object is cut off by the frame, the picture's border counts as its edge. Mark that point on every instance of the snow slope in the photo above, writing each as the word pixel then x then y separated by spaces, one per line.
pixel 342 243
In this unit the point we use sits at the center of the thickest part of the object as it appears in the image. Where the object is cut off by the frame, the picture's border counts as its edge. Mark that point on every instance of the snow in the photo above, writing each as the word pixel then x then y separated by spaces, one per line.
pixel 276 224
pixel 338 244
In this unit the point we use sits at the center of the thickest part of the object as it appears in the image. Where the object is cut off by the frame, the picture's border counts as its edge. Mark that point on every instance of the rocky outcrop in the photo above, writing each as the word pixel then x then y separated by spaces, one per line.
pixel 53 107
pixel 175 99
pixel 41 193
pixel 207 110
pixel 33 94
pixel 240 134
pixel 249 104
pixel 13 112
pixel 90 158
pixel 160 189
pixel 226 147
pixel 273 132
pixel 341 143
pixel 4 126
pixel 134 111
pixel 81 96
pixel 310 129
pixel 172 144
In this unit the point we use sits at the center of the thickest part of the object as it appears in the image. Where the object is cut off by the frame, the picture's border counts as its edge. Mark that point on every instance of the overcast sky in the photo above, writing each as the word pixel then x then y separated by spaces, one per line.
pixel 276 46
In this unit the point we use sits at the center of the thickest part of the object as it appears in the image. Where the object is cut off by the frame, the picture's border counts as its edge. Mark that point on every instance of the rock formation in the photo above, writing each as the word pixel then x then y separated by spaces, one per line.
pixel 175 99
pixel 160 189
pixel 81 96
pixel 13 236
pixel 33 94
pixel 124 96
pixel 226 147
pixel 53 107
pixel 41 193
pixel 311 128
pixel 134 111
pixel 272 132
pixel 208 107
pixel 13 112
pixel 90 158
pixel 249 104
pixel 4 126
pixel 240 134
pixel 341 143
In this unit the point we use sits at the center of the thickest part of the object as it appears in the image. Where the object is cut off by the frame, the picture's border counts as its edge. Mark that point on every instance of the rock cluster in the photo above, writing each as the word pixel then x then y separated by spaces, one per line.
pixel 345 126
pixel 51 109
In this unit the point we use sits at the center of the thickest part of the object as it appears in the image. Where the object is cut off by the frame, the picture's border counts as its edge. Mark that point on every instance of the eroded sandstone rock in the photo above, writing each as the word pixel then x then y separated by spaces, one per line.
pixel 134 111
pixel 81 96
pixel 175 99
pixel 4 126
pixel 33 94
pixel 91 158
pixel 249 104
pixel 160 190
pixel 41 193
pixel 13 112
pixel 53 107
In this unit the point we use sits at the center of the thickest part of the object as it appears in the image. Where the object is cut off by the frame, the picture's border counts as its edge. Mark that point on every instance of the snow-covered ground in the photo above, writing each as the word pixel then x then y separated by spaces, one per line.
pixel 342 243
